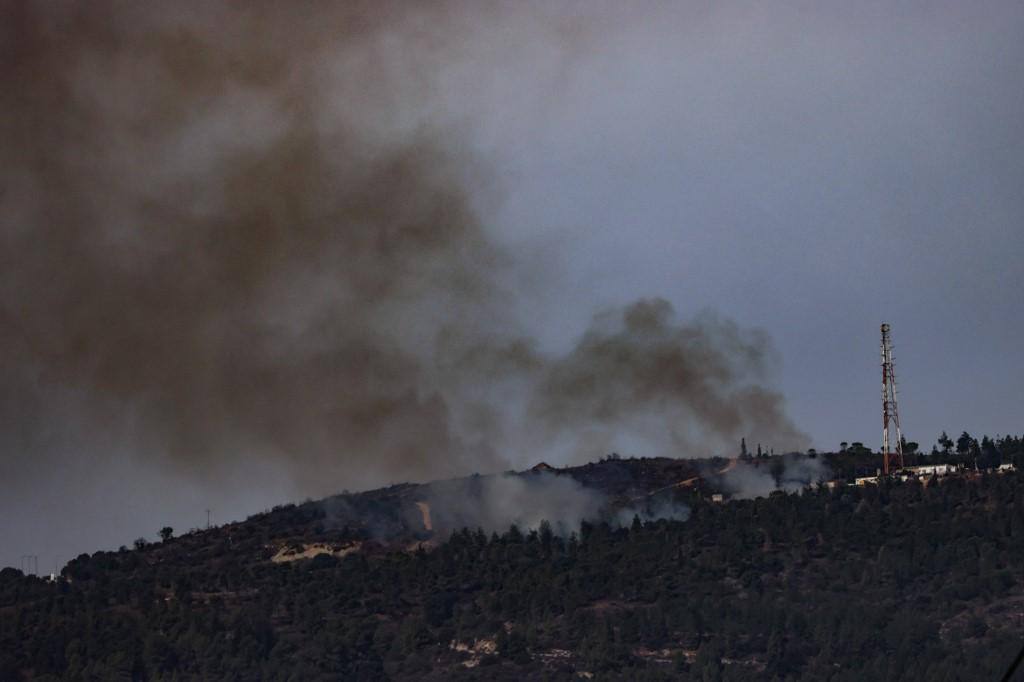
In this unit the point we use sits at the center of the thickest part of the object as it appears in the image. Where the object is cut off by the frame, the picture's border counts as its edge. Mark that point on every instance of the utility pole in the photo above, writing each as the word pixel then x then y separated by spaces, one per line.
pixel 892 459
pixel 207 519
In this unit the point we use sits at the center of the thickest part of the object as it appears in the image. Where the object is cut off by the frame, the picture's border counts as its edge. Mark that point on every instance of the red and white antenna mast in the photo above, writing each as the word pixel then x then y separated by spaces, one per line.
pixel 892 459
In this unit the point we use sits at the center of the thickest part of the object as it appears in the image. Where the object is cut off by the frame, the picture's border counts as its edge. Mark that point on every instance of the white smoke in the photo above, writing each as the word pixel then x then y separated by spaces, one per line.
pixel 758 479
pixel 494 503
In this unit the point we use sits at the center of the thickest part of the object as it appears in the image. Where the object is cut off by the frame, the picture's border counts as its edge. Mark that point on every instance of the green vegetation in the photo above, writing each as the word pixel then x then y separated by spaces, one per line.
pixel 898 581
pixel 857 460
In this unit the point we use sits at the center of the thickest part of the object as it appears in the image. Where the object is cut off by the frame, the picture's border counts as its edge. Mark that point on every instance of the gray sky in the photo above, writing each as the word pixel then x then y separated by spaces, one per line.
pixel 805 170
pixel 813 172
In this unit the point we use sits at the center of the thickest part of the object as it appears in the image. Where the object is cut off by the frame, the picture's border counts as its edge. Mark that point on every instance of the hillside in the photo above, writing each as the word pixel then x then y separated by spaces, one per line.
pixel 898 581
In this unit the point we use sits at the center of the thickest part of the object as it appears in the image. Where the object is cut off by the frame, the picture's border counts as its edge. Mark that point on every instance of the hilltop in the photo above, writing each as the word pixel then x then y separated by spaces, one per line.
pixel 900 580
pixel 409 515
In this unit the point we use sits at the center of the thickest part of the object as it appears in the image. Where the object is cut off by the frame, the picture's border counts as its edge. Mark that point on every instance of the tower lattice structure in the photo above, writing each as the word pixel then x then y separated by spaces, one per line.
pixel 892 451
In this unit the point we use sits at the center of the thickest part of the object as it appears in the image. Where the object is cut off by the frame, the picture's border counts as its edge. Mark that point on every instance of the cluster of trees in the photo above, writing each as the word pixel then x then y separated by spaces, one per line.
pixel 986 454
pixel 761 453
pixel 966 450
pixel 900 581
pixel 855 459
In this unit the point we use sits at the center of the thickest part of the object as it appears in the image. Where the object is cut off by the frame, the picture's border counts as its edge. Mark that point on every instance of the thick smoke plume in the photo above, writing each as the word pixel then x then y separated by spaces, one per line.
pixel 675 387
pixel 241 234
pixel 221 235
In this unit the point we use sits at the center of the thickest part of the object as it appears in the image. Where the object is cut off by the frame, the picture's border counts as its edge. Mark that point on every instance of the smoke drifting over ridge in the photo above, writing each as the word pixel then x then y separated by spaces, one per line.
pixel 748 479
pixel 233 235
pixel 494 503
pixel 677 387
pixel 525 500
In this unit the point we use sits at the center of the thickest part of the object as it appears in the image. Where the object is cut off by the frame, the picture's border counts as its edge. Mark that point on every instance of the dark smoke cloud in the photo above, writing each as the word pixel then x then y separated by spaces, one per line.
pixel 238 234
pixel 193 238
pixel 678 387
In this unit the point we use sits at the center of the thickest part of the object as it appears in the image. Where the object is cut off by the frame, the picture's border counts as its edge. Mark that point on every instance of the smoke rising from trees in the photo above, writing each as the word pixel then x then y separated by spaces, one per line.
pixel 792 473
pixel 494 503
pixel 252 241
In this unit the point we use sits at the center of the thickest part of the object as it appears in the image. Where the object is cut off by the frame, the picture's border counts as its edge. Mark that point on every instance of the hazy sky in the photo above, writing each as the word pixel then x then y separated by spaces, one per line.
pixel 813 172
pixel 806 170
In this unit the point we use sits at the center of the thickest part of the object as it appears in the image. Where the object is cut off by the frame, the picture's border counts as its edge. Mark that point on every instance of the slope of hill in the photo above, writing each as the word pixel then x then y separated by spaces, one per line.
pixel 901 581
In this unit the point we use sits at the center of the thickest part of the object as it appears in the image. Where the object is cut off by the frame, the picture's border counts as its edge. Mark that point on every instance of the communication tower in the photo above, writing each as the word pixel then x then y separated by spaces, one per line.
pixel 892 451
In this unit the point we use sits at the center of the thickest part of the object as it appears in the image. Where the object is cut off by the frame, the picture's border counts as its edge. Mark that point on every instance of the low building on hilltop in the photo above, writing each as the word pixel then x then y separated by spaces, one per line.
pixel 932 470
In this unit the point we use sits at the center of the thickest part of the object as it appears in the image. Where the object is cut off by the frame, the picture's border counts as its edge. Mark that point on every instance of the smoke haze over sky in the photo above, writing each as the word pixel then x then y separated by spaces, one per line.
pixel 248 255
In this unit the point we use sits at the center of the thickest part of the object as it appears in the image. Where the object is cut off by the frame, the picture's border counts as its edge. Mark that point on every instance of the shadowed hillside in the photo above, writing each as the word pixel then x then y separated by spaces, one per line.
pixel 896 581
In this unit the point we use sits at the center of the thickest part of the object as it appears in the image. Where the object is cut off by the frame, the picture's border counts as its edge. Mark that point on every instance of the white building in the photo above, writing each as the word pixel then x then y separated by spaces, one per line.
pixel 933 470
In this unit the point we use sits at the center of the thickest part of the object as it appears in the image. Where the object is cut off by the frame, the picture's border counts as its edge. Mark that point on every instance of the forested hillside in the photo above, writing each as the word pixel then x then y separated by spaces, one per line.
pixel 900 581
